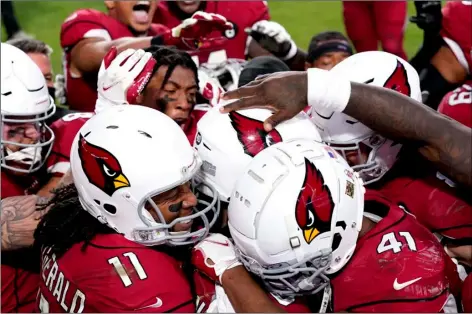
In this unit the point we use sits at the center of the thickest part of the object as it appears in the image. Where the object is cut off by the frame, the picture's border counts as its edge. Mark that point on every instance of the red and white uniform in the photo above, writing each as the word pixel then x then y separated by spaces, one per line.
pixel 210 301
pixel 398 266
pixel 457 30
pixel 113 274
pixel 435 204
pixel 242 14
pixel 457 104
pixel 190 127
pixel 89 23
pixel 65 130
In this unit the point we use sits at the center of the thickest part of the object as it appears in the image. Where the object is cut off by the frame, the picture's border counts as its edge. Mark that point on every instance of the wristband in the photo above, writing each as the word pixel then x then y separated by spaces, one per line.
pixel 327 92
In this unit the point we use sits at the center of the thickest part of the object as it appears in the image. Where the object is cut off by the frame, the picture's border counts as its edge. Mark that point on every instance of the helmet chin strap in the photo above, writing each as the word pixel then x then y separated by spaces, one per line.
pixel 26 156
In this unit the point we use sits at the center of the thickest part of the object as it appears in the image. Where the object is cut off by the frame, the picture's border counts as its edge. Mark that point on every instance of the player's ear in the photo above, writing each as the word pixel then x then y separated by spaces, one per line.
pixel 110 4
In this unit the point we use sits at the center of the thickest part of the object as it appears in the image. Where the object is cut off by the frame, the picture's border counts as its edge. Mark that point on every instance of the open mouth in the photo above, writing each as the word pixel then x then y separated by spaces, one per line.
pixel 141 12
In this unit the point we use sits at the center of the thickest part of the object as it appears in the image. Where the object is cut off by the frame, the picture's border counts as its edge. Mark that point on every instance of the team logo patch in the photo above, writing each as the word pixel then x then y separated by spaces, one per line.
pixel 349 189
pixel 315 206
pixel 252 135
pixel 101 168
pixel 398 80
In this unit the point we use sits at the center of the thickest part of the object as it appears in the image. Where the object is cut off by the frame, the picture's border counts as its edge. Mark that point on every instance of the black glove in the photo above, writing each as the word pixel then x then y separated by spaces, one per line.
pixel 428 16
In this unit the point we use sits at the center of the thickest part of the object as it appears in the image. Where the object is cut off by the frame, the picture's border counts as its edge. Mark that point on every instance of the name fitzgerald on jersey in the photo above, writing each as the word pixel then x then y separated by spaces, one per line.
pixel 58 285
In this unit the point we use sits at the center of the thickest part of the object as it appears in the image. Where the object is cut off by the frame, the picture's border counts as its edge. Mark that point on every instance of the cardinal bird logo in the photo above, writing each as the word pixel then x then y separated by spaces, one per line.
pixel 398 80
pixel 315 206
pixel 252 135
pixel 101 168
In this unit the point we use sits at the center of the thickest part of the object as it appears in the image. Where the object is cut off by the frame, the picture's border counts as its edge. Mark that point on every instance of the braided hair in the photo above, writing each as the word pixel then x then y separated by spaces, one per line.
pixel 67 223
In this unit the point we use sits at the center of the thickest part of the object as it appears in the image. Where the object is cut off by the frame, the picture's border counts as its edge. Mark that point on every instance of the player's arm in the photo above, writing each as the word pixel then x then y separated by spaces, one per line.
pixel 245 295
pixel 20 217
pixel 439 139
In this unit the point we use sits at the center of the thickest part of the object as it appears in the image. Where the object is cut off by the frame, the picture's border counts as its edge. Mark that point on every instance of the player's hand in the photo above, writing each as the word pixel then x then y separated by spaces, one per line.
pixel 214 255
pixel 285 93
pixel 428 15
pixel 209 88
pixel 122 77
pixel 274 38
pixel 194 32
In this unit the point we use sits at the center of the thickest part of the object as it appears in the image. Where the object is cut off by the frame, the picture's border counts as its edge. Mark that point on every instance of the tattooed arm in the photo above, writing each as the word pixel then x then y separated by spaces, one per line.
pixel 20 217
pixel 439 139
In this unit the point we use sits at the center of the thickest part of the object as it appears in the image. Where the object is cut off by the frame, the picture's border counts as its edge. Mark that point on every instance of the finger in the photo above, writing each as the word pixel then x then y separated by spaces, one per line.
pixel 275 119
pixel 243 103
pixel 110 56
pixel 123 56
pixel 139 66
pixel 240 93
pixel 129 64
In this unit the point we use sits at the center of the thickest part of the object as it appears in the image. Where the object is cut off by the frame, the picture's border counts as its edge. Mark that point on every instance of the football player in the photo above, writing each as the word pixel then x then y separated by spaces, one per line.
pixel 301 222
pixel 114 240
pixel 452 63
pixel 234 43
pixel 25 145
pixel 169 85
pixel 87 35
pixel 370 22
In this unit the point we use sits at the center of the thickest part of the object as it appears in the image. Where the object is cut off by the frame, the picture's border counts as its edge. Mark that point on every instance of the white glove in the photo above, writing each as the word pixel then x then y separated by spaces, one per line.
pixel 214 255
pixel 209 88
pixel 279 34
pixel 122 77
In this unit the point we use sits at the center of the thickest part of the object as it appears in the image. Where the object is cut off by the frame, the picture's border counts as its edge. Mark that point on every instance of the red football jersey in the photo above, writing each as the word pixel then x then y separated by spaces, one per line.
pixel 397 266
pixel 65 130
pixel 19 289
pixel 467 294
pixel 113 274
pixel 242 14
pixel 89 23
pixel 434 203
pixel 457 104
pixel 457 30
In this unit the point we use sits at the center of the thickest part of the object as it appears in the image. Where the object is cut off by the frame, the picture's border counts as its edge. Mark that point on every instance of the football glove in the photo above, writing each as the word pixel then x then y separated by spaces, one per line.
pixel 274 38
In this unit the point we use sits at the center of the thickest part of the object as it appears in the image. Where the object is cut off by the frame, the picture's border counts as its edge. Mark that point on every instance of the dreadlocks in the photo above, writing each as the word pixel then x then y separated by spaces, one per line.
pixel 171 57
pixel 67 223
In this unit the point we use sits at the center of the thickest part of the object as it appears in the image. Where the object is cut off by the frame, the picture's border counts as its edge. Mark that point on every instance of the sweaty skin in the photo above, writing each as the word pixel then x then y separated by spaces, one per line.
pixel 392 114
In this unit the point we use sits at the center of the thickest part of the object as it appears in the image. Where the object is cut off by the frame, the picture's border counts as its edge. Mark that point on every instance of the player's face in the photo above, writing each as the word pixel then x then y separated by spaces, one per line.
pixel 188 7
pixel 176 203
pixel 136 14
pixel 328 60
pixel 44 64
pixel 177 97
pixel 356 156
pixel 24 133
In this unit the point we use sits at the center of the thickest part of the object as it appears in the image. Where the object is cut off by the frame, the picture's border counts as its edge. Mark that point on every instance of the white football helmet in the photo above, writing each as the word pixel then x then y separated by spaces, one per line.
pixel 227 73
pixel 124 156
pixel 295 215
pixel 25 100
pixel 349 136
pixel 228 142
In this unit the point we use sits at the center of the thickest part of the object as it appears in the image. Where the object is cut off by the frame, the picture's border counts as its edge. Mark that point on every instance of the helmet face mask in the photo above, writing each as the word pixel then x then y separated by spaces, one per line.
pixel 26 103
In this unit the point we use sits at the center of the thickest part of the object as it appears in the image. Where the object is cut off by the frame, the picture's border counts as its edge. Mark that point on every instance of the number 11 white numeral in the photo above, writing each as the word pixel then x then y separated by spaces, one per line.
pixel 120 270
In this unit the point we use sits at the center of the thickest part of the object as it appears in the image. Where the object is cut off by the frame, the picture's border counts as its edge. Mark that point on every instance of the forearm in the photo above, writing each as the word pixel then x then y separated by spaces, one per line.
pixel 439 139
pixel 19 219
pixel 245 295
pixel 87 57
pixel 297 63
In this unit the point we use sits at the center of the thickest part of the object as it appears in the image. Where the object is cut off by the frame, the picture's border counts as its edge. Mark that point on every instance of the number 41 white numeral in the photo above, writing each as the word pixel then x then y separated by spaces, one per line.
pixel 120 270
pixel 390 242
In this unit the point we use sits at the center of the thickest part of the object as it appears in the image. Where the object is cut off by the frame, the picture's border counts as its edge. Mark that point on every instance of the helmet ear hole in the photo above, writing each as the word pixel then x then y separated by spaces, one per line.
pixel 109 208
pixel 336 241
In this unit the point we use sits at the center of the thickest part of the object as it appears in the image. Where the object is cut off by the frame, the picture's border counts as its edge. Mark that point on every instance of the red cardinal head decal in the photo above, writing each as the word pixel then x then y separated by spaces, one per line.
pixel 315 206
pixel 398 80
pixel 101 168
pixel 252 135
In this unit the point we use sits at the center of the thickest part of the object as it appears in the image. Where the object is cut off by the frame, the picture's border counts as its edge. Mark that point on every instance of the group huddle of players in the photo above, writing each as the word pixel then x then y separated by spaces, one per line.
pixel 148 197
